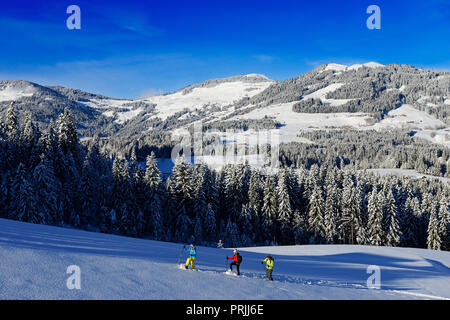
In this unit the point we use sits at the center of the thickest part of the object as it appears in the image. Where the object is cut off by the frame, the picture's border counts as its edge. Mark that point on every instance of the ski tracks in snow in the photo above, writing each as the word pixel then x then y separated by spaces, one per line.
pixel 282 279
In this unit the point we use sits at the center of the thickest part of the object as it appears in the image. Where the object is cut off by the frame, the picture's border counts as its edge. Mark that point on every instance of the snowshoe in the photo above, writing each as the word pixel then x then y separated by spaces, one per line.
pixel 230 273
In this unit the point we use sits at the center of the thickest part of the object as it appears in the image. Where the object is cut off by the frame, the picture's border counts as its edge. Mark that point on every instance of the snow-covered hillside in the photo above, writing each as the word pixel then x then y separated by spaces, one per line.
pixel 342 68
pixel 211 93
pixel 408 116
pixel 354 97
pixel 219 94
pixel 13 91
pixel 294 122
pixel 35 258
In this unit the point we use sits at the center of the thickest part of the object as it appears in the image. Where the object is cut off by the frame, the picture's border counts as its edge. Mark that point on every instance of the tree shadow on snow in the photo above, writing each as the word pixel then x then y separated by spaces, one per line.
pixel 332 270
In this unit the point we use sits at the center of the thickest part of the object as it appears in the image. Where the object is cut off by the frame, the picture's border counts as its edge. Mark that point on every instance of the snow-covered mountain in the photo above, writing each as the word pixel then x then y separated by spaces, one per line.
pixel 36 258
pixel 47 103
pixel 332 96
pixel 14 90
pixel 209 95
pixel 342 68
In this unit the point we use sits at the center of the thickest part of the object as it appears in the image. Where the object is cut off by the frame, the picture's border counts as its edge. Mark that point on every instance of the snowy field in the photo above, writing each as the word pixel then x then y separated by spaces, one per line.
pixel 35 259
pixel 406 173
pixel 221 95
pixel 294 122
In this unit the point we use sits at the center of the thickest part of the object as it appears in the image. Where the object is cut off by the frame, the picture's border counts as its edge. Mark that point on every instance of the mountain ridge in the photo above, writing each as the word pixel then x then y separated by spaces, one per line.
pixel 335 89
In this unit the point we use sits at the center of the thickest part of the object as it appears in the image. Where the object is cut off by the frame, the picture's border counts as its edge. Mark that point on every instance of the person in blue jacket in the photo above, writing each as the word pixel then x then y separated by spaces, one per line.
pixel 192 256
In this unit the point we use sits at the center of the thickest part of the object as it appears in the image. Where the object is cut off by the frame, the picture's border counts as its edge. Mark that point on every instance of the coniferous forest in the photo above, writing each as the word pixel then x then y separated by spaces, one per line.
pixel 50 177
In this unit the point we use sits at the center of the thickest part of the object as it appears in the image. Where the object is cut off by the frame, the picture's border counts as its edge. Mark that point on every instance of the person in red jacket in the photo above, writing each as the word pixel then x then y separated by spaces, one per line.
pixel 237 259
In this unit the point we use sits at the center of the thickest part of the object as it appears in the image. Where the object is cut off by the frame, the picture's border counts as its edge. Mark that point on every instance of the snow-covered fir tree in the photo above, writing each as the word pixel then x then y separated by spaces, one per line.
pixel 316 212
pixel 375 231
pixel 444 223
pixel 24 202
pixel 269 209
pixel 433 240
pixel 284 206
pixel 331 214
pixel 394 234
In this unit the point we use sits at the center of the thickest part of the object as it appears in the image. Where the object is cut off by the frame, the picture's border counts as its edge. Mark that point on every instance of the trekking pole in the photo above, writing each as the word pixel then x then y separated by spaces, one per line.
pixel 265 270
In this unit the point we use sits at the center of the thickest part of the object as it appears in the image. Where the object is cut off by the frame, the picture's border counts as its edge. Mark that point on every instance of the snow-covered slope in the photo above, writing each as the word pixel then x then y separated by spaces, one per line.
pixel 342 68
pixel 221 93
pixel 321 95
pixel 35 258
pixel 211 93
pixel 340 88
pixel 293 122
pixel 13 90
pixel 408 116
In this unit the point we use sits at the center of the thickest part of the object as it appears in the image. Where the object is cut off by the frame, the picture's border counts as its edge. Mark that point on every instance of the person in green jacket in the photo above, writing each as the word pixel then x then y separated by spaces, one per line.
pixel 269 267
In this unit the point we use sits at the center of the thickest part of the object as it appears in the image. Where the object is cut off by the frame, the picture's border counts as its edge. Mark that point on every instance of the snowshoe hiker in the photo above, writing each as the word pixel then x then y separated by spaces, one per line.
pixel 269 267
pixel 237 259
pixel 192 256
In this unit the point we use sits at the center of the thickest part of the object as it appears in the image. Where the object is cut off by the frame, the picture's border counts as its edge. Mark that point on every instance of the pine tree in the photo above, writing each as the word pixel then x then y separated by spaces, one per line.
pixel 409 224
pixel 48 142
pixel 233 234
pixel 198 228
pixel 183 226
pixel 269 209
pixel 316 214
pixel 67 132
pixel 86 195
pixel 331 214
pixel 127 225
pixel 182 180
pixel 139 195
pixel 200 182
pixel 154 199
pixel 444 223
pixel 350 222
pixel 427 208
pixel 127 209
pixel 394 234
pixel 12 124
pixel 246 223
pixel 4 195
pixel 133 162
pixel 209 223
pixel 152 176
pixel 375 223
pixel 433 240
pixel 232 190
pixel 284 206
pixel 243 178
pixel 255 194
pixel 2 131
pixel 30 131
pixel 181 190
pixel 23 205
pixel 47 188
pixel 300 227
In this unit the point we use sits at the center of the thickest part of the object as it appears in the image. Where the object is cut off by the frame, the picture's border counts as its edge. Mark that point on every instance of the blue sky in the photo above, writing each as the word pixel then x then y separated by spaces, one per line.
pixel 131 48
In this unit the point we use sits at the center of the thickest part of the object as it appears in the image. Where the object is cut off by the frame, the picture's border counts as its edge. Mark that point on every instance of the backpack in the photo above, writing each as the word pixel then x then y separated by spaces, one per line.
pixel 239 258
